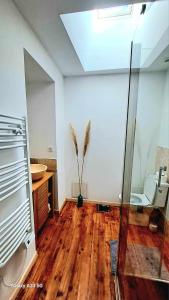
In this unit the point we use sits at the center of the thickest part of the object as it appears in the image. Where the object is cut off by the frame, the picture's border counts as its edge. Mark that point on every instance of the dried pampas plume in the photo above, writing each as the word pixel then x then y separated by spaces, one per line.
pixel 85 147
pixel 87 138
pixel 86 143
pixel 74 138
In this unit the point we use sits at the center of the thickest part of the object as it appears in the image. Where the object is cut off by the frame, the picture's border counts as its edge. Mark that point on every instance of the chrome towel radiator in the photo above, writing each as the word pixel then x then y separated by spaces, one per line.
pixel 14 177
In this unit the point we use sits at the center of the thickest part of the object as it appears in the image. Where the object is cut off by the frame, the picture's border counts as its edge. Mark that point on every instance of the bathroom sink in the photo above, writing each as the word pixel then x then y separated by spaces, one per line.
pixel 37 171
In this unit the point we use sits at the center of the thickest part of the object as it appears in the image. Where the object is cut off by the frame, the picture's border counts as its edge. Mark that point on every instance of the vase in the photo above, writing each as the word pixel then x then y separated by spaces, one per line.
pixel 80 201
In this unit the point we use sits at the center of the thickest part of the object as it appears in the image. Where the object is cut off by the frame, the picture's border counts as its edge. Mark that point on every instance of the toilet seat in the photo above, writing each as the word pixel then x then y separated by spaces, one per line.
pixel 142 197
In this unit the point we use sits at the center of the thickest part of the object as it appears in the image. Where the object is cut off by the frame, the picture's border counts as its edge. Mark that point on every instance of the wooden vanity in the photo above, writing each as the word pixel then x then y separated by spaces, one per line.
pixel 43 192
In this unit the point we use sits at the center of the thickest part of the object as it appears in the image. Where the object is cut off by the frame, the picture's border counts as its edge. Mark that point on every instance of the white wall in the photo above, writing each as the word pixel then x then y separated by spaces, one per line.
pixel 15 34
pixel 148 122
pixel 153 38
pixel 41 119
pixel 103 100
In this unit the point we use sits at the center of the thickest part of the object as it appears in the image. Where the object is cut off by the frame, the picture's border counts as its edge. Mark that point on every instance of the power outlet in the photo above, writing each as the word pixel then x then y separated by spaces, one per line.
pixel 50 149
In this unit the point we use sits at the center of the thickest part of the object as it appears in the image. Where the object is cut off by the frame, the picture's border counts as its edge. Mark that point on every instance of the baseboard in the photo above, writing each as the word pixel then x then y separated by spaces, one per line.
pixel 95 201
pixel 16 291
pixel 58 211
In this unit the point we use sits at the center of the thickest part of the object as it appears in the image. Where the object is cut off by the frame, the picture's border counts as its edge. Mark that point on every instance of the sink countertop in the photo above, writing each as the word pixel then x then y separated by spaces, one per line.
pixel 37 184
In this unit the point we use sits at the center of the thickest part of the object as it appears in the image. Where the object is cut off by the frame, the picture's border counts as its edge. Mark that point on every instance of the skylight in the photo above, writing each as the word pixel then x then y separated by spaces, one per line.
pixel 120 11
pixel 102 38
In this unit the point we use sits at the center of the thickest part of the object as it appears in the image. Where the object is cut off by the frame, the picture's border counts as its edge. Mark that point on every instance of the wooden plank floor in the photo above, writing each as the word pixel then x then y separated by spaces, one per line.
pixel 134 288
pixel 143 236
pixel 74 259
pixel 74 256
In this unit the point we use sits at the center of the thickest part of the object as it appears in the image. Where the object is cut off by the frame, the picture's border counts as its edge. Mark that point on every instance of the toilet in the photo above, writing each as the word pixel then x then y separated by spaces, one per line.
pixel 152 194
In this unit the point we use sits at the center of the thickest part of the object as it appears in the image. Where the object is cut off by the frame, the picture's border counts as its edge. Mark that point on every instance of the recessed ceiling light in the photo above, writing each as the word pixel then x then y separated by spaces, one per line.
pixel 120 11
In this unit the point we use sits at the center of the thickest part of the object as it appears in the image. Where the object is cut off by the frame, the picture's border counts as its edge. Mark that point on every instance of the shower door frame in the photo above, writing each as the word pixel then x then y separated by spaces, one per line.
pixel 127 171
pixel 128 161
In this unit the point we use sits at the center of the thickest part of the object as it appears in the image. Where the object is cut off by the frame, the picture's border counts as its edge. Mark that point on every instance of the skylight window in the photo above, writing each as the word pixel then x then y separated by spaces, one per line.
pixel 102 37
pixel 120 11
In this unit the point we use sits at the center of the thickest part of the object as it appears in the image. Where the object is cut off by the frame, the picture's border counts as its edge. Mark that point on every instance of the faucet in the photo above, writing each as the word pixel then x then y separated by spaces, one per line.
pixel 160 174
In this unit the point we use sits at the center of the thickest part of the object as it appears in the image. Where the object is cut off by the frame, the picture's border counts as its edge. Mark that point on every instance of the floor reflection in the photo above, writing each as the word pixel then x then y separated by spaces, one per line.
pixel 147 253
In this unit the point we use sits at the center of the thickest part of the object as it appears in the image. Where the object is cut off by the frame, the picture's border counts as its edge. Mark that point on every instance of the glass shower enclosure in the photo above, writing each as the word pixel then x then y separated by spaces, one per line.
pixel 144 228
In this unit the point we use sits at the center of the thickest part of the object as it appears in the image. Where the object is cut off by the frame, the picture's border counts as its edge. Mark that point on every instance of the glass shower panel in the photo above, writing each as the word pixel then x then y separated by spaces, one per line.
pixel 146 215
pixel 145 209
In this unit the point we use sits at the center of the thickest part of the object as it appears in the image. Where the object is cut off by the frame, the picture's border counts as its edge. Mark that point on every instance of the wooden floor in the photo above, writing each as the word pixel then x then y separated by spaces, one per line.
pixel 74 256
pixel 74 259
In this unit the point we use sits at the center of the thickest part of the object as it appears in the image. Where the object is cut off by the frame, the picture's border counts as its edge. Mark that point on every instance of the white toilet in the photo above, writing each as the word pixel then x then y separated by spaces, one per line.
pixel 152 195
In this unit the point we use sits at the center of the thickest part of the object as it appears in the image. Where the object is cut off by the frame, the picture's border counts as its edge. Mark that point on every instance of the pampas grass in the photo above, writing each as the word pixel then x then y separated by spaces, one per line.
pixel 87 138
pixel 74 139
pixel 85 147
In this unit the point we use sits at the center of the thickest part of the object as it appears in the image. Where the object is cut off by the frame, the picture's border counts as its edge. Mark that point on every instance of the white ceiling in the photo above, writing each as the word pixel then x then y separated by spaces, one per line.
pixel 44 17
pixel 159 64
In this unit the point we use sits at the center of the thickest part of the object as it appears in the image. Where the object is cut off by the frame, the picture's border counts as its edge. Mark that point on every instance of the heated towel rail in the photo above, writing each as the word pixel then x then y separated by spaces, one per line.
pixel 14 175
pixel 13 231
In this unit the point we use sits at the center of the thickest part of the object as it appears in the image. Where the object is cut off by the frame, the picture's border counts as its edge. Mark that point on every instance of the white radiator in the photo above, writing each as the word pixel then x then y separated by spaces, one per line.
pixel 14 176
pixel 13 231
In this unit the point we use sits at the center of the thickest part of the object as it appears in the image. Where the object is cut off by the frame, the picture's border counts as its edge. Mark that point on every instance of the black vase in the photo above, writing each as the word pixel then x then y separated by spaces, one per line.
pixel 80 201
